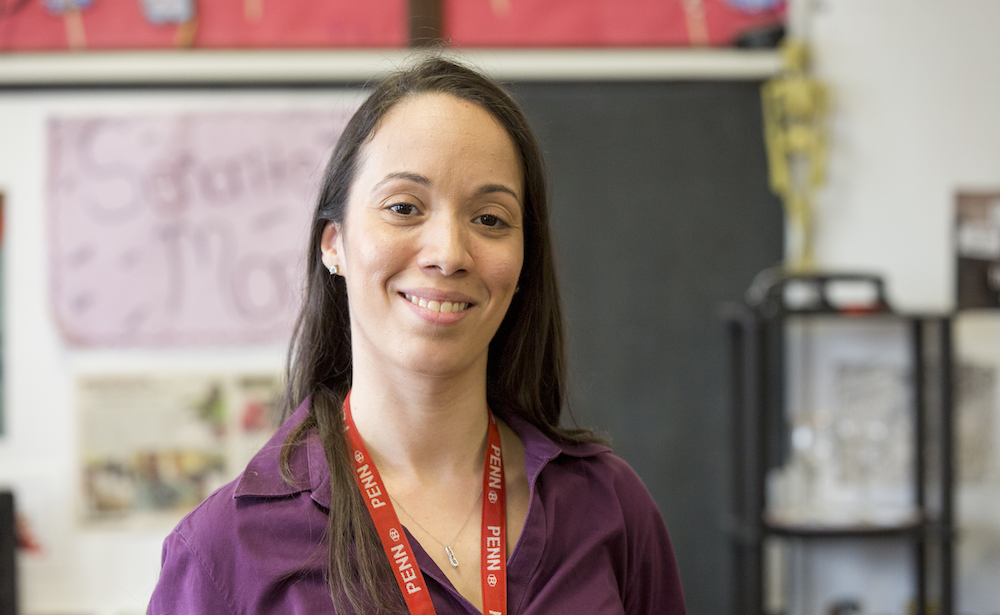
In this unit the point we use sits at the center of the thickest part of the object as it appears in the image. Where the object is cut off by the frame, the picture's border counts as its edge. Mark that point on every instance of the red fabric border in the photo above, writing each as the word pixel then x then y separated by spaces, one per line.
pixel 586 23
pixel 121 24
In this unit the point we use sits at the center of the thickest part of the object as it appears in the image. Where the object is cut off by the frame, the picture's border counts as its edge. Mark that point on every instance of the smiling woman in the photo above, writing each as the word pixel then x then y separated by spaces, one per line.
pixel 426 382
pixel 433 219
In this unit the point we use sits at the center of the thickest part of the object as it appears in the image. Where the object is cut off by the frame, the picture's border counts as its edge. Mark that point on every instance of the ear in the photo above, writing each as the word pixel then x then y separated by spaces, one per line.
pixel 331 247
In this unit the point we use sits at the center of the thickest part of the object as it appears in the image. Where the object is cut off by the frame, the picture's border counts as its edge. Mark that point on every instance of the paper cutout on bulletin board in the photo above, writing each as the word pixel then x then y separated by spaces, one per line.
pixel 153 446
pixel 182 230
pixel 555 23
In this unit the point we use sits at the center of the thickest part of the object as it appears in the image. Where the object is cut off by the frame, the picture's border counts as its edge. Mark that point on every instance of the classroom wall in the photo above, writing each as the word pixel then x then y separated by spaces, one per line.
pixel 915 86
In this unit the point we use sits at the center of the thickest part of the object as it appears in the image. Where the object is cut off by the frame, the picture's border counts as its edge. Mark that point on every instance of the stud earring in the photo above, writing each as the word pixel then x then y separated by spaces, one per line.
pixel 333 270
pixel 517 289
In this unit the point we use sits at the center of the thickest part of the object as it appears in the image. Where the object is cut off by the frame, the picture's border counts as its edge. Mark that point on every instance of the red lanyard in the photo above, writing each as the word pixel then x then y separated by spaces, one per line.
pixel 397 547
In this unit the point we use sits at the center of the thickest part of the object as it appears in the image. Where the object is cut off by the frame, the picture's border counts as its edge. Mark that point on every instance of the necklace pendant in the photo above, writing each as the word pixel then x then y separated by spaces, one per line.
pixel 451 557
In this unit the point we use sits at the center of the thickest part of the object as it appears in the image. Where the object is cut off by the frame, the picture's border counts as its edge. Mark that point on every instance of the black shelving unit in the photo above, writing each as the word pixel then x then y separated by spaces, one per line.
pixel 758 377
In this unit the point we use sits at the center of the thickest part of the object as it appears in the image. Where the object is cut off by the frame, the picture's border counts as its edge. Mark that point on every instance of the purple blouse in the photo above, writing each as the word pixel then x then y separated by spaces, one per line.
pixel 593 542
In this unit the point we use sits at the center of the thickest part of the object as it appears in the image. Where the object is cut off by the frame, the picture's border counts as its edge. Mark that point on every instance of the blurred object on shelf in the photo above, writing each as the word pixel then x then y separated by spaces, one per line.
pixel 976 409
pixel 977 247
pixel 767 37
pixel 776 291
pixel 850 606
pixel 850 430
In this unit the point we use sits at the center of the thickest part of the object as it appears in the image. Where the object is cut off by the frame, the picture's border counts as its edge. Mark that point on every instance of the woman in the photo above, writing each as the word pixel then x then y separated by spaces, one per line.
pixel 423 468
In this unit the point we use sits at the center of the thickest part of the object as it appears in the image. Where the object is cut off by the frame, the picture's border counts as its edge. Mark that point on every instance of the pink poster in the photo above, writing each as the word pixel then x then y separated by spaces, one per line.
pixel 185 229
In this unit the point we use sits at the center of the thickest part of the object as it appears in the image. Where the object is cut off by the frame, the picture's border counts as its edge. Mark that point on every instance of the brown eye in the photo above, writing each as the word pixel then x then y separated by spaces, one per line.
pixel 403 209
pixel 490 220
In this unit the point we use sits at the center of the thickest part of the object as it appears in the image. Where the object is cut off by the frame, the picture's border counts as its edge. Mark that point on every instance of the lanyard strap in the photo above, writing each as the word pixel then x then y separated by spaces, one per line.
pixel 494 531
pixel 397 547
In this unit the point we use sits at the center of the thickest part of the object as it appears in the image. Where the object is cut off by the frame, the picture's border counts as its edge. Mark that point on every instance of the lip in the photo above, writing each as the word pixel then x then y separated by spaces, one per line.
pixel 440 296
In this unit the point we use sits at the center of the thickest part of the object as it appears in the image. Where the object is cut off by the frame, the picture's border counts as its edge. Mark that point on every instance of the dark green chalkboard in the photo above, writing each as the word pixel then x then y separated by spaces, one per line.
pixel 662 213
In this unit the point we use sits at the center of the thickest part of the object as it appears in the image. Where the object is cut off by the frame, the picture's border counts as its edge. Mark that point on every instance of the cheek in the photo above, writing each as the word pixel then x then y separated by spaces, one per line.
pixel 505 268
pixel 371 263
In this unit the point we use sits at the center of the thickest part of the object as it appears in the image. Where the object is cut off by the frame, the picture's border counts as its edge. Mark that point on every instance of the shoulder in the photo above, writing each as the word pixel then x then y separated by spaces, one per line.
pixel 600 500
pixel 252 539
pixel 241 553
pixel 190 576
pixel 598 515
pixel 611 470
pixel 604 481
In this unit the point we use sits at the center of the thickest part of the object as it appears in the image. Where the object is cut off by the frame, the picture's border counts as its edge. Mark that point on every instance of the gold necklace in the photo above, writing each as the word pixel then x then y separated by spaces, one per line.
pixel 447 547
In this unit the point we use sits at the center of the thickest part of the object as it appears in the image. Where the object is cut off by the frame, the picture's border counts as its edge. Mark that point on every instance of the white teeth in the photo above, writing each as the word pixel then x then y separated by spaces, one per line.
pixel 444 307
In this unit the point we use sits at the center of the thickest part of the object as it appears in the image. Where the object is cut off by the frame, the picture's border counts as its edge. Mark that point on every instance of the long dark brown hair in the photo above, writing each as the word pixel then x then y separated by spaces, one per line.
pixel 525 372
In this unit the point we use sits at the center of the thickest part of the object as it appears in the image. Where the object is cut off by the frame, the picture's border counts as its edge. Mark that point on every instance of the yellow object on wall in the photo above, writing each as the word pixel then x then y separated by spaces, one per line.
pixel 795 110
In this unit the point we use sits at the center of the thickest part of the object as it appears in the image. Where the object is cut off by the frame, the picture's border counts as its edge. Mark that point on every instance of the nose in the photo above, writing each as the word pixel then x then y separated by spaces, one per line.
pixel 446 245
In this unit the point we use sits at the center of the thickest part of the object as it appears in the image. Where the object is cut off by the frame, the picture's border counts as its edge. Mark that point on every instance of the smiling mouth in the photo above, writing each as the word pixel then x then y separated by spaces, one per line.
pixel 445 307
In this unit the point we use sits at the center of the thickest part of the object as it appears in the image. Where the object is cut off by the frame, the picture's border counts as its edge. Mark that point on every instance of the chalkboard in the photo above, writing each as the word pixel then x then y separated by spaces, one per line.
pixel 661 212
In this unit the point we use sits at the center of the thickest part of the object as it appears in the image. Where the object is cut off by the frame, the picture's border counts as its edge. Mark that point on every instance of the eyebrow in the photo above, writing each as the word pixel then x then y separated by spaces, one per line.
pixel 425 181
pixel 413 177
pixel 491 188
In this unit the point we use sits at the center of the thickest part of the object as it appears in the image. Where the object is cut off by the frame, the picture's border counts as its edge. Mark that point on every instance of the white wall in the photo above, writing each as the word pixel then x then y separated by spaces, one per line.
pixel 916 87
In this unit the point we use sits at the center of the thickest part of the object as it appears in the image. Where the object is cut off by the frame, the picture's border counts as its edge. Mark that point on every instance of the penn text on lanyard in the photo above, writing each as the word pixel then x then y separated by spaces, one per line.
pixel 397 548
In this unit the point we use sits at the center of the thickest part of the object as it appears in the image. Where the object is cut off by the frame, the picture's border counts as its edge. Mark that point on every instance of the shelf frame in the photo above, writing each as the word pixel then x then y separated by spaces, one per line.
pixel 757 394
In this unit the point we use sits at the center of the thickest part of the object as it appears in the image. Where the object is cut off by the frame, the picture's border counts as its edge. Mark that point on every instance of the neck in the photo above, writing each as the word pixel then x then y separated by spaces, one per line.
pixel 421 428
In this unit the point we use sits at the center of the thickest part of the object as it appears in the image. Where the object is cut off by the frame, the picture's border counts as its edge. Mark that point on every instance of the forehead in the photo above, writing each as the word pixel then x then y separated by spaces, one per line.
pixel 436 126
pixel 427 108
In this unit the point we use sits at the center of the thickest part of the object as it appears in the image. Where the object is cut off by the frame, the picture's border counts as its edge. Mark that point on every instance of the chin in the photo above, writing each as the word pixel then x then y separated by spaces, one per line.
pixel 445 364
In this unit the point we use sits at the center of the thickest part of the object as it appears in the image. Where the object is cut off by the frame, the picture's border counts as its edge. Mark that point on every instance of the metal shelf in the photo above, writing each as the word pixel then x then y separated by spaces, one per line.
pixel 757 383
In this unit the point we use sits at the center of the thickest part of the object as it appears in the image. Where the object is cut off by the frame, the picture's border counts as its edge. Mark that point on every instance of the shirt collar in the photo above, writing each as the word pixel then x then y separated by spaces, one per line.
pixel 307 464
pixel 539 449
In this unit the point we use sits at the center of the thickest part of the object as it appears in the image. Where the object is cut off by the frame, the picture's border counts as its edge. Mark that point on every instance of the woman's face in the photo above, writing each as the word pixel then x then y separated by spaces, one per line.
pixel 432 241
